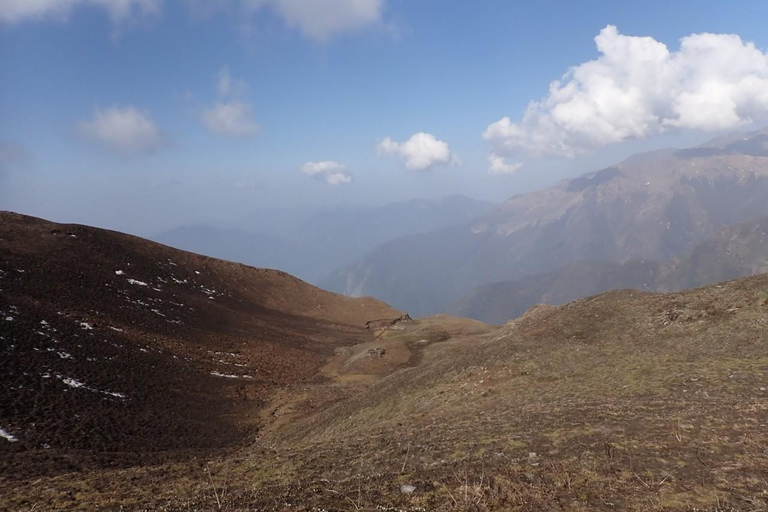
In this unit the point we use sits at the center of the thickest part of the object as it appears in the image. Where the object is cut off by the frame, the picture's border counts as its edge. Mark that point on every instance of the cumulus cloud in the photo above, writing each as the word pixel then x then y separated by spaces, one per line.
pixel 233 115
pixel 420 152
pixel 333 173
pixel 13 11
pixel 637 87
pixel 126 131
pixel 499 165
pixel 232 118
pixel 322 19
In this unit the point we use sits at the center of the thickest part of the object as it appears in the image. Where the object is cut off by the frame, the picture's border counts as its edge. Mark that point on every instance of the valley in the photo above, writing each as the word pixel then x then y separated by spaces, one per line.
pixel 628 400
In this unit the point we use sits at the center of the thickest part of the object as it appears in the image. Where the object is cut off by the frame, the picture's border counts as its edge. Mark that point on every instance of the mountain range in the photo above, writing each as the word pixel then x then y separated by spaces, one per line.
pixel 655 206
pixel 736 251
pixel 311 243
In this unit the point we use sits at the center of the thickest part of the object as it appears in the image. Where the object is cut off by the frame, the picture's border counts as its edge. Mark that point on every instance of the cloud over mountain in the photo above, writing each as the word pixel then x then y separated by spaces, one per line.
pixel 333 173
pixel 637 87
pixel 498 165
pixel 233 114
pixel 126 131
pixel 420 152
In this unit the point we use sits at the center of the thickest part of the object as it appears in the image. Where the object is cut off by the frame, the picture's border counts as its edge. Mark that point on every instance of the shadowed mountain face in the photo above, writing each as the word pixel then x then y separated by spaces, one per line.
pixel 737 251
pixel 651 207
pixel 135 351
pixel 311 244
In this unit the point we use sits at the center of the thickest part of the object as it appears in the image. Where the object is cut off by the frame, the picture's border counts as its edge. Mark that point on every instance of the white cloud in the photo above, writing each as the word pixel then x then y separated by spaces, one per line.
pixel 322 19
pixel 637 88
pixel 123 130
pixel 228 86
pixel 332 172
pixel 499 165
pixel 231 117
pixel 13 11
pixel 319 20
pixel 420 152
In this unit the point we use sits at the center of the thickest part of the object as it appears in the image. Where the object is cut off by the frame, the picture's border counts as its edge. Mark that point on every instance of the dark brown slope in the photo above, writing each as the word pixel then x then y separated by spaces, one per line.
pixel 121 347
pixel 655 206
pixel 737 251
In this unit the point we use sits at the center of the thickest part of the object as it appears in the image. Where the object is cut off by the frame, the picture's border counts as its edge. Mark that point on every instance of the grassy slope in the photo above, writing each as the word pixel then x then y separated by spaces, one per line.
pixel 624 401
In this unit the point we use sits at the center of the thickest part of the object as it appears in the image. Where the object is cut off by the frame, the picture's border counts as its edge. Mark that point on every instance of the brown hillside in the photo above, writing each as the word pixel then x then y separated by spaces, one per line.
pixel 125 348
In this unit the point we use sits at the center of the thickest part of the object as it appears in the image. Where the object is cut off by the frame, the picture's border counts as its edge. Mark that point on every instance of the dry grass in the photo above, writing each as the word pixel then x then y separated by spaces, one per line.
pixel 626 401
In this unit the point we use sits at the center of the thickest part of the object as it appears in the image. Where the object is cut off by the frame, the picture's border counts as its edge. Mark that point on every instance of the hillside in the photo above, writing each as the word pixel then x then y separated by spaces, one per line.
pixel 624 401
pixel 655 206
pixel 736 251
pixel 118 351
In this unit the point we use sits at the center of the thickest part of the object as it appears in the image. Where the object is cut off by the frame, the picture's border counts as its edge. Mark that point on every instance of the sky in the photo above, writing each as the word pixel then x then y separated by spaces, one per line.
pixel 140 115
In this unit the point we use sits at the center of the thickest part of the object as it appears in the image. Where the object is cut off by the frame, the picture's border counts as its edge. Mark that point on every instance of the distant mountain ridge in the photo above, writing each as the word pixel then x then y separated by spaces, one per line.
pixel 655 206
pixel 737 251
pixel 311 244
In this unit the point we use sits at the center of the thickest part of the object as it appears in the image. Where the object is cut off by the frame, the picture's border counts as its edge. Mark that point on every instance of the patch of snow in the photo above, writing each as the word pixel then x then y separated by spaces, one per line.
pixel 73 383
pixel 119 272
pixel 197 272
pixel 217 374
pixel 157 312
pixel 116 395
pixel 136 282
pixel 115 329
pixel 157 289
pixel 65 355
pixel 9 319
pixel 86 326
pixel 8 436
pixel 77 384
pixel 43 322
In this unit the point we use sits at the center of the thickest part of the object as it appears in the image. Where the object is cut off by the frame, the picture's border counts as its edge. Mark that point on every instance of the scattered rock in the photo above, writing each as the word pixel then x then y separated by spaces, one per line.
pixel 386 322
pixel 376 352
pixel 407 489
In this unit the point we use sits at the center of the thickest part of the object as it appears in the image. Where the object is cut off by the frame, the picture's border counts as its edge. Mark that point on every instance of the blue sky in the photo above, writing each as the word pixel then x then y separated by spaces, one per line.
pixel 112 117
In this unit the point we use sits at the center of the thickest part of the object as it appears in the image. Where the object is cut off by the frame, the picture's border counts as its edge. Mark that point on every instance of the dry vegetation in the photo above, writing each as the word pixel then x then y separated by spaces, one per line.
pixel 624 401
